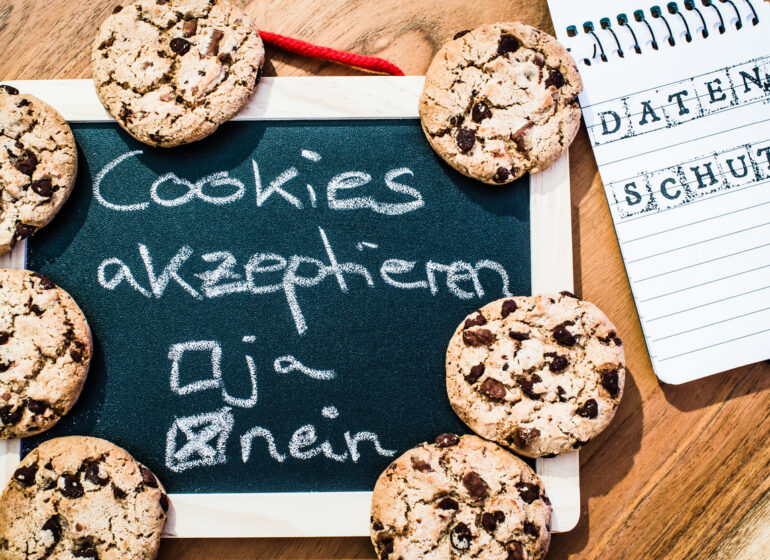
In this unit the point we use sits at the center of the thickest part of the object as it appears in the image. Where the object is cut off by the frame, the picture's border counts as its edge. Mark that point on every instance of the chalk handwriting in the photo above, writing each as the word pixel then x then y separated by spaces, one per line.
pixel 205 440
pixel 267 273
pixel 287 364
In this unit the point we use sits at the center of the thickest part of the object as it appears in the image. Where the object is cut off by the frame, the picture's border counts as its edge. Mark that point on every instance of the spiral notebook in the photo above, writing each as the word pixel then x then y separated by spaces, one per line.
pixel 677 106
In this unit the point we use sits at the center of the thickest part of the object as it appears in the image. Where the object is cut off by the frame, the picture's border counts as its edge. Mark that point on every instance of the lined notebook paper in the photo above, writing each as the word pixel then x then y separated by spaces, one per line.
pixel 677 105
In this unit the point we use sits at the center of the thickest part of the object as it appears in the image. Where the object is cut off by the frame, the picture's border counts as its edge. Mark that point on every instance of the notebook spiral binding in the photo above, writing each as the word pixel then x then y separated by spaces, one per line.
pixel 695 19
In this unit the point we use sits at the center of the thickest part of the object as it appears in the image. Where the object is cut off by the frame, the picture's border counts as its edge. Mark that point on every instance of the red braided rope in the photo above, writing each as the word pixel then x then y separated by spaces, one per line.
pixel 371 63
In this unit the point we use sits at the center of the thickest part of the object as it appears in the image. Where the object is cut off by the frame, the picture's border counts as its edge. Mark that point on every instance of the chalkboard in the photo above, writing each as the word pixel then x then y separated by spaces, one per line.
pixel 271 306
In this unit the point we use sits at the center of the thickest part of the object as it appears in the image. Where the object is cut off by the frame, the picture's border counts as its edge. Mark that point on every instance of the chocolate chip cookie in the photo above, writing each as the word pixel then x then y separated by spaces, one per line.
pixel 38 164
pixel 501 101
pixel 541 375
pixel 460 497
pixel 81 497
pixel 45 351
pixel 172 71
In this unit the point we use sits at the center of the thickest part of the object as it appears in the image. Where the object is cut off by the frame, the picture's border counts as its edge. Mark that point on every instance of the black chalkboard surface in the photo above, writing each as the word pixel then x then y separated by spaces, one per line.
pixel 271 306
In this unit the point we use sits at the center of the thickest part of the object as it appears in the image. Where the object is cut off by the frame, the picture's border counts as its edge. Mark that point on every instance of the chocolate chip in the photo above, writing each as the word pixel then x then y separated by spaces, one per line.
pixel 531 529
pixel 26 475
pixel 456 120
pixel 45 283
pixel 92 473
pixel 555 78
pixel 179 46
pixel 377 526
pixel 420 465
pixel 493 389
pixel 117 9
pixel 37 407
pixel 480 112
pixel 617 341
pixel 189 27
pixel 76 355
pixel 26 162
pixel 22 103
pixel 509 306
pixel 522 437
pixel 479 337
pixel 508 43
pixel 70 486
pixel 461 33
pixel 501 175
pixel 53 525
pixel 476 321
pixel 515 551
pixel 476 372
pixel 519 335
pixel 147 477
pixel 528 386
pixel 36 310
pixel 10 90
pixel 225 58
pixel 465 139
pixel 520 136
pixel 43 187
pixel 563 336
pixel 610 381
pixel 539 61
pixel 259 75
pixel 4 337
pixel 590 409
pixel 528 492
pixel 163 501
pixel 10 414
pixel 385 545
pixel 578 444
pixel 489 521
pixel 559 363
pixel 216 37
pixel 461 536
pixel 568 294
pixel 475 485
pixel 118 493
pixel 505 366
pixel 4 367
pixel 85 551
pixel 447 440
pixel 447 503
pixel 23 231
pixel 561 391
pixel 157 138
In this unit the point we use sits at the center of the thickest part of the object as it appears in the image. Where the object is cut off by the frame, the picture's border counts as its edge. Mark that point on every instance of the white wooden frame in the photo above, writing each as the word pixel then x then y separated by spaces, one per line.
pixel 304 514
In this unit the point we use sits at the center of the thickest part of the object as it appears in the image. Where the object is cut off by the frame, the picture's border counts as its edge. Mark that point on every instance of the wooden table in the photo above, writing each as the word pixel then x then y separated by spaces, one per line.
pixel 682 472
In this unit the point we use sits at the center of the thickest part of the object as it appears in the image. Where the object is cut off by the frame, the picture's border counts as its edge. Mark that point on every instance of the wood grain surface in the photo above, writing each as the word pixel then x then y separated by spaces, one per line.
pixel 683 472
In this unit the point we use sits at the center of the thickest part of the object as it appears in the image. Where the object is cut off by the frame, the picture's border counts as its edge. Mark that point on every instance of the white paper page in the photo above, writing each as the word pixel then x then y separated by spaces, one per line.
pixel 682 138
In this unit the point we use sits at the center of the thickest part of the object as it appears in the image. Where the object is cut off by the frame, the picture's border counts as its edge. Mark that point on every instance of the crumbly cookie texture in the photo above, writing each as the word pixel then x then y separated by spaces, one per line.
pixel 81 497
pixel 38 165
pixel 460 497
pixel 172 71
pixel 45 352
pixel 541 375
pixel 501 101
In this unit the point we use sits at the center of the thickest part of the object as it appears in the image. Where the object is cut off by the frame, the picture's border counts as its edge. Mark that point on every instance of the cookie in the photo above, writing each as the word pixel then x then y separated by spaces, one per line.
pixel 172 71
pixel 45 351
pixel 38 164
pixel 501 101
pixel 460 497
pixel 81 497
pixel 541 375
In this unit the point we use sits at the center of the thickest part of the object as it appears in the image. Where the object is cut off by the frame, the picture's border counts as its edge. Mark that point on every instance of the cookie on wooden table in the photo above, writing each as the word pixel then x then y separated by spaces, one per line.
pixel 172 71
pixel 541 375
pixel 460 497
pixel 45 351
pixel 501 101
pixel 38 164
pixel 81 497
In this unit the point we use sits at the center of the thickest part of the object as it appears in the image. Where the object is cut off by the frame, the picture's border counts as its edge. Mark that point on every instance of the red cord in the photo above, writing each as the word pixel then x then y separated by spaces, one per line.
pixel 303 48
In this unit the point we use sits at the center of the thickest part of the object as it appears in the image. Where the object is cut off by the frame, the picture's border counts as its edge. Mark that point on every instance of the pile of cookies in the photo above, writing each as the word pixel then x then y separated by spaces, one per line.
pixel 539 375
pixel 170 72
